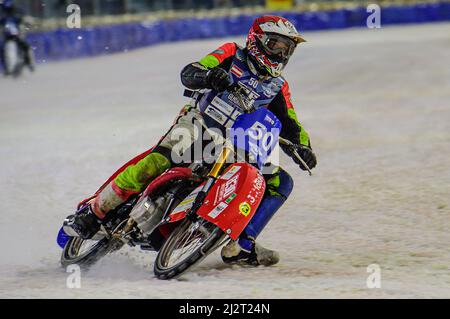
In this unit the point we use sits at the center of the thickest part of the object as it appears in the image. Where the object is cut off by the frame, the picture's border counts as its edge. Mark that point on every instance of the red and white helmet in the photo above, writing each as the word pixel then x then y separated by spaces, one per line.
pixel 271 41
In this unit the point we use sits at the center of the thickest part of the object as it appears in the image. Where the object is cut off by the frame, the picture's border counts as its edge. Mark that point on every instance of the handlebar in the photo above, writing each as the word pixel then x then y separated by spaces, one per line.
pixel 293 149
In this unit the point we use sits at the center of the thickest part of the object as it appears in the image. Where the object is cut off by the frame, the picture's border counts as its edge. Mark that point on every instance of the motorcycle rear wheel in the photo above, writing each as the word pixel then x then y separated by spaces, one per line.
pixel 190 242
pixel 86 252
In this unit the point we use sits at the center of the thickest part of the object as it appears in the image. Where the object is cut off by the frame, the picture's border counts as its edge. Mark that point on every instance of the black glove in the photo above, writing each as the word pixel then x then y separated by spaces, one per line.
pixel 305 153
pixel 218 79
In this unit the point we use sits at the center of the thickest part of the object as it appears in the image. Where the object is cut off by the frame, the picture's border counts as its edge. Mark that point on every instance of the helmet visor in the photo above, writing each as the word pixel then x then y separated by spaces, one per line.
pixel 277 47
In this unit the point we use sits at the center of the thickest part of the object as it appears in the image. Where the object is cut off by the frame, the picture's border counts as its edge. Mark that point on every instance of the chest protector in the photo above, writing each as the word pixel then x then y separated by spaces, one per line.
pixel 220 110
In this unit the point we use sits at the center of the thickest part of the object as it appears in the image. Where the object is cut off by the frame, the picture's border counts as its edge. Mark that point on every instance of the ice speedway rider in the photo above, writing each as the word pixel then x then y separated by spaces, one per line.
pixel 10 14
pixel 258 67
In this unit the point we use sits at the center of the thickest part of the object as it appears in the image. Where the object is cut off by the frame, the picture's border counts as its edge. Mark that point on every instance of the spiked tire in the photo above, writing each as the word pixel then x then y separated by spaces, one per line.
pixel 209 237
pixel 73 253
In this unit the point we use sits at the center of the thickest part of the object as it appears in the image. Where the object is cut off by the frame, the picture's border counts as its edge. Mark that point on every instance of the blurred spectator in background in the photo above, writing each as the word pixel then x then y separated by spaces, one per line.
pixel 12 28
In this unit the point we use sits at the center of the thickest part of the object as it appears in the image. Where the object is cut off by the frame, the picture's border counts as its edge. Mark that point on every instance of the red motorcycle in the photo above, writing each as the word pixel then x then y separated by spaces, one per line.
pixel 187 212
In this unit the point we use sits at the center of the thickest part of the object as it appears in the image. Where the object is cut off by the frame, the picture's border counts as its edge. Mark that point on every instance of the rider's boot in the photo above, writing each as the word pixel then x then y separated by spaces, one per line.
pixel 253 254
pixel 84 223
pixel 245 250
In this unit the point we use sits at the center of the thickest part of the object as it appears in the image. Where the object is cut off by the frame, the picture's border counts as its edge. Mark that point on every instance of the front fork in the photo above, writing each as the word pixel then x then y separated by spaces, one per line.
pixel 211 179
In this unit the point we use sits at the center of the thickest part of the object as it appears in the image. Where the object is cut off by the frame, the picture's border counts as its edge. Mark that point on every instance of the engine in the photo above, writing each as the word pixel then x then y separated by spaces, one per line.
pixel 148 213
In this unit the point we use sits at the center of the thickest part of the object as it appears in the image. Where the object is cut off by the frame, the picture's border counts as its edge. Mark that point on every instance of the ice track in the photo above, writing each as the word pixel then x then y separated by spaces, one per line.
pixel 376 104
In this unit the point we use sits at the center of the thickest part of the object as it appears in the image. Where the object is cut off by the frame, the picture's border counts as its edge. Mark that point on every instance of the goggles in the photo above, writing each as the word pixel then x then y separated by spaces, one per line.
pixel 277 47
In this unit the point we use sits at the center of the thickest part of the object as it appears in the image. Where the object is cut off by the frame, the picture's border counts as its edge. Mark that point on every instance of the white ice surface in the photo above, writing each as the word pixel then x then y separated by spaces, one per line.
pixel 377 106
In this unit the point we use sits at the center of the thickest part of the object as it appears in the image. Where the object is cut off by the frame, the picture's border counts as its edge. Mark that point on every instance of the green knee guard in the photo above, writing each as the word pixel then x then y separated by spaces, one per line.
pixel 136 177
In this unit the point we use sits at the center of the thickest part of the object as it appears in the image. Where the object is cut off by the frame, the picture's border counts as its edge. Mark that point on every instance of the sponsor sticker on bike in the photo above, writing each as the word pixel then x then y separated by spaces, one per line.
pixel 229 199
pixel 222 106
pixel 251 199
pixel 245 209
pixel 216 115
pixel 226 189
pixel 230 173
pixel 218 210
pixel 257 190
pixel 231 185
pixel 258 183
pixel 187 202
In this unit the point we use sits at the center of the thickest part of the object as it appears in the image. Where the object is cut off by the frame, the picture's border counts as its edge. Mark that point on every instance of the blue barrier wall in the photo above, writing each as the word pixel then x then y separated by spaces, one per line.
pixel 72 43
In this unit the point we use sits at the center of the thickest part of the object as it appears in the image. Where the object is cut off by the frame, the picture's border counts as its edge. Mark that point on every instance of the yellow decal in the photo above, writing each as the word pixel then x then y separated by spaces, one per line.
pixel 245 209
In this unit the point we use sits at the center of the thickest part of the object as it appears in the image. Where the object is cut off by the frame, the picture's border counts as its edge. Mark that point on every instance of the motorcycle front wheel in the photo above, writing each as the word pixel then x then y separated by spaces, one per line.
pixel 11 57
pixel 187 245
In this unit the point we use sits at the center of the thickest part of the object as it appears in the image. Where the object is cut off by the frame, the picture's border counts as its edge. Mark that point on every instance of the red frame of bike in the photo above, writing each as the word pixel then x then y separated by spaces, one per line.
pixel 233 200
pixel 246 187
